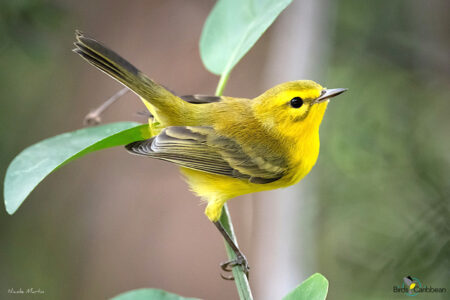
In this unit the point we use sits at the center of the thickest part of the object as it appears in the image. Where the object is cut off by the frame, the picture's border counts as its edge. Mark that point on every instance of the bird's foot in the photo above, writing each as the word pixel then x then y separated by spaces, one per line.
pixel 229 265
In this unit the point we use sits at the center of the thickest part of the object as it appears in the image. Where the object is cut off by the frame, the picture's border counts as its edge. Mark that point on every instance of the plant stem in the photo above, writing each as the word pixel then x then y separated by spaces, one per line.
pixel 93 117
pixel 240 278
pixel 222 83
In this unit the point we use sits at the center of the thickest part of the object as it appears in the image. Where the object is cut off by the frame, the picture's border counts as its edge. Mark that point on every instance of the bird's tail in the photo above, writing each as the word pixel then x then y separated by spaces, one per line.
pixel 117 67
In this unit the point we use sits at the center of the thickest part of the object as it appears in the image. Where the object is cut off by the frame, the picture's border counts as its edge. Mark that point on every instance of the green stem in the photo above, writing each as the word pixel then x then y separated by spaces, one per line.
pixel 240 278
pixel 222 83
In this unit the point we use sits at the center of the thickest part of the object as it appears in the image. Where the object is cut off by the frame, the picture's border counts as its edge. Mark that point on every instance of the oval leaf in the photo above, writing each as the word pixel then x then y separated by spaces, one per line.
pixel 232 28
pixel 313 288
pixel 147 294
pixel 34 163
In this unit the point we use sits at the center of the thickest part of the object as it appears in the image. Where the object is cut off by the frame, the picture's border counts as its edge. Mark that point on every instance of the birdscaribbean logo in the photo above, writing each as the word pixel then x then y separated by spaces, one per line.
pixel 411 286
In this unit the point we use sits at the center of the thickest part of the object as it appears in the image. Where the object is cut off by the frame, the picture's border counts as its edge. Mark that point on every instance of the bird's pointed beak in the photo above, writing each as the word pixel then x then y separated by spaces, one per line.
pixel 329 93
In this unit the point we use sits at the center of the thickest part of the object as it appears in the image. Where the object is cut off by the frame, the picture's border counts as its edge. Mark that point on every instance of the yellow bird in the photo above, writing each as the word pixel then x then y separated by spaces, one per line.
pixel 225 146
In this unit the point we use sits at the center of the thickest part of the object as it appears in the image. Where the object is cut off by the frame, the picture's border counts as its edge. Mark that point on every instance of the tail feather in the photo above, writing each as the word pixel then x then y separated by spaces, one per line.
pixel 120 69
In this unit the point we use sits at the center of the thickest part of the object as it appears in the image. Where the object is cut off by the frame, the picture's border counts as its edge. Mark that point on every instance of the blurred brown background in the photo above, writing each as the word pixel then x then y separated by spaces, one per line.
pixel 373 210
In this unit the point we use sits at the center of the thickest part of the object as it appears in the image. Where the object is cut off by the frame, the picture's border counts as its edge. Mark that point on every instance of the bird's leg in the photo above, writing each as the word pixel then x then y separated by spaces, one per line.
pixel 93 117
pixel 240 259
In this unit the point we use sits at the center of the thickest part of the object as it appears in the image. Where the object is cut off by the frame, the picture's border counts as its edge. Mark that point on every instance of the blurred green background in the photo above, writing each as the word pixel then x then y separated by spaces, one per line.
pixel 110 222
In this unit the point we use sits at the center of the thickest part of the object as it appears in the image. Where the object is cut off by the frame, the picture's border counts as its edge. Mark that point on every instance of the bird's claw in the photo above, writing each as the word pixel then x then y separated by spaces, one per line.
pixel 229 265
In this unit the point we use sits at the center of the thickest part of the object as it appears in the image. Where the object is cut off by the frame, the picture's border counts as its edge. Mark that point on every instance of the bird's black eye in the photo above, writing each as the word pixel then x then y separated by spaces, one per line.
pixel 296 102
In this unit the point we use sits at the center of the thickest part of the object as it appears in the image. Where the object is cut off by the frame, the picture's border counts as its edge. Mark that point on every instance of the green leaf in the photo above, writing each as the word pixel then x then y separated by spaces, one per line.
pixel 232 28
pixel 149 294
pixel 34 163
pixel 313 288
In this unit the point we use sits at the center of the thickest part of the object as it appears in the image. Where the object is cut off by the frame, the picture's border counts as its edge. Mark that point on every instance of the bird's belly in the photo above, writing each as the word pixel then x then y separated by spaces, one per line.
pixel 211 187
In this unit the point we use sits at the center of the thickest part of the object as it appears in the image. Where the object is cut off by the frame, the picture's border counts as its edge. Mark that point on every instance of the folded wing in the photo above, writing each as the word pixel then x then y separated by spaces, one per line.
pixel 202 148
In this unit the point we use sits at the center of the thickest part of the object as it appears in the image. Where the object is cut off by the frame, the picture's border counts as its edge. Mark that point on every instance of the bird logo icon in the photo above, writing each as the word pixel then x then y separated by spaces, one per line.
pixel 410 283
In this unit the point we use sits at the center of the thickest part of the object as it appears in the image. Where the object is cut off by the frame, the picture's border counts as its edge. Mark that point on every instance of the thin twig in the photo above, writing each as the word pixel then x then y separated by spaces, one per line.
pixel 93 117
pixel 240 278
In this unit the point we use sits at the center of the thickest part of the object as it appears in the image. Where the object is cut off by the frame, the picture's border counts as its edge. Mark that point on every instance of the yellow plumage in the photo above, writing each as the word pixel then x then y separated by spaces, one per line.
pixel 225 146
pixel 265 121
pixel 298 142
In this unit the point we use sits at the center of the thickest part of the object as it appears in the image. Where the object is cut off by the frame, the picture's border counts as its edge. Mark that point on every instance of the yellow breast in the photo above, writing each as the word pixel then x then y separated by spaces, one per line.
pixel 299 145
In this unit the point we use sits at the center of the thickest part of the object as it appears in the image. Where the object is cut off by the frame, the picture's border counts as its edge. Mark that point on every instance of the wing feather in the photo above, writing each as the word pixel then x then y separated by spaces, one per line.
pixel 202 148
pixel 201 99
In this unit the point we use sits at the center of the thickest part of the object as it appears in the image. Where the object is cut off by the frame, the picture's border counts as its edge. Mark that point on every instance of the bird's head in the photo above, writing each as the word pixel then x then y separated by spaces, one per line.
pixel 293 108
